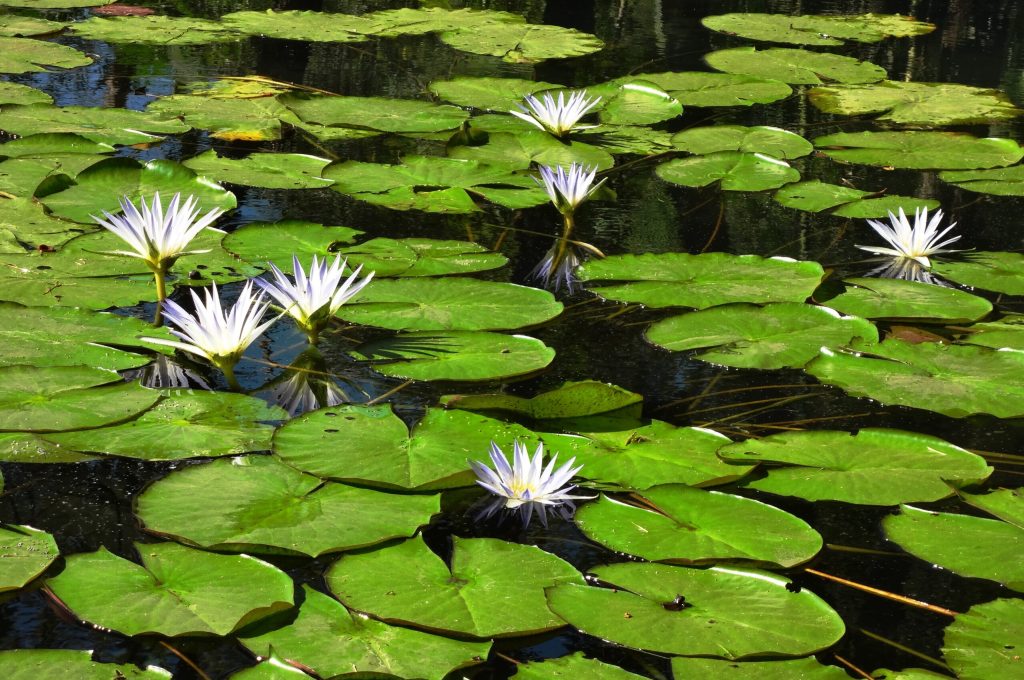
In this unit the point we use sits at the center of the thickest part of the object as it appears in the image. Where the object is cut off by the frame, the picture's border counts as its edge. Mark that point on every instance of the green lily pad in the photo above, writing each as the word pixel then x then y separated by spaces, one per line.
pixel 456 355
pixel 38 290
pixel 920 150
pixel 735 171
pixel 817 29
pixel 450 304
pixel 107 126
pixel 15 93
pixel 998 271
pixel 409 21
pixel 230 119
pixel 296 25
pixel 699 88
pixel 55 4
pixel 699 281
pixel 521 150
pixel 24 27
pixel 53 143
pixel 488 94
pixel 965 545
pixel 335 642
pixel 681 524
pixel 906 103
pixel 721 612
pixel 998 181
pixel 572 666
pixel 24 554
pixel 796 67
pixel 817 196
pixel 1006 332
pixel 31 226
pixel 23 55
pixel 985 642
pixel 269 170
pixel 1005 504
pixel 54 398
pixel 772 141
pixel 31 664
pixel 421 257
pixel 954 380
pixel 22 176
pixel 714 669
pixel 871 467
pixel 376 113
pixel 175 591
pixel 571 400
pixel 899 299
pixel 184 426
pixel 155 30
pixel 25 447
pixel 492 588
pixel 522 43
pixel 271 668
pixel 778 335
pixel 263 242
pixel 257 503
pixel 636 102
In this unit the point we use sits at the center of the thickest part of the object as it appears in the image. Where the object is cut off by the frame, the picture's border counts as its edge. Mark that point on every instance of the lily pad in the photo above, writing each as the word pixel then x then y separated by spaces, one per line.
pixel 30 664
pixel 522 43
pixel 699 88
pixel 699 281
pixel 985 642
pixel 296 25
pixel 175 591
pixel 22 55
pixel 53 143
pixel 998 181
pixel 335 642
pixel 805 669
pixel 492 588
pixel 15 93
pixel 23 27
pixel 269 170
pixel 1006 332
pixel 38 290
pixel 417 21
pixel 735 171
pixel 256 503
pixel 772 141
pixel 778 335
pixel 376 113
pixel 920 150
pixel 817 196
pixel 722 611
pixel 230 119
pixel 25 447
pixel 871 467
pixel 954 380
pixel 421 257
pixel 488 94
pixel 908 103
pixel 965 545
pixel 572 666
pixel 817 29
pixel 636 102
pixel 796 67
pixel 681 524
pixel 22 176
pixel 571 400
pixel 899 299
pixel 997 271
pixel 263 242
pixel 155 30
pixel 107 126
pixel 520 151
pixel 24 554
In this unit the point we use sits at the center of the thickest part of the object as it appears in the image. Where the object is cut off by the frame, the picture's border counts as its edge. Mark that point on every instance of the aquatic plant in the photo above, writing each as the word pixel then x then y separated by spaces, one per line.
pixel 557 116
pixel 913 242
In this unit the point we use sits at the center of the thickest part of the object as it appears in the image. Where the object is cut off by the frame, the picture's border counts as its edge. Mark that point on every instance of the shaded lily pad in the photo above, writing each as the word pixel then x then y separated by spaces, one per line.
pixel 231 119
pixel 16 93
pixel 108 126
pixel 772 141
pixel 817 29
pixel 31 664
pixel 572 666
pixel 817 196
pixel 24 554
pixel 721 612
pixel 920 150
pixel 735 171
pixel 296 25
pixel 907 103
pixel 417 21
pixel 999 271
pixel 335 642
pixel 155 30
pixel 263 242
pixel 898 299
pixel 681 524
pixel 871 467
pixel 488 94
pixel 796 67
pixel 699 281
pixel 421 257
pixel 375 113
pixel 176 591
pixel 22 55
pixel 699 88
pixel 571 400
pixel 521 150
pixel 409 584
pixel 778 335
pixel 998 181
pixel 256 503
pixel 269 170
pixel 951 379
pixel 963 544
pixel 1006 332
pixel 985 642
pixel 713 669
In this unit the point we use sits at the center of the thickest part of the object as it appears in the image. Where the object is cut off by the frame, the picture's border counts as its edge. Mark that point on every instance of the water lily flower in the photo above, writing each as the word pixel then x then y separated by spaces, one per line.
pixel 157 237
pixel 559 117
pixel 528 485
pixel 568 188
pixel 219 337
pixel 908 270
pixel 313 299
pixel 915 242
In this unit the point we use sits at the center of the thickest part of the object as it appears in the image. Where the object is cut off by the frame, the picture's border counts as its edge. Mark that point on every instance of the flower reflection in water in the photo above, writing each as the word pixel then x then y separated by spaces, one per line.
pixel 302 391
pixel 165 373
pixel 908 270
pixel 558 268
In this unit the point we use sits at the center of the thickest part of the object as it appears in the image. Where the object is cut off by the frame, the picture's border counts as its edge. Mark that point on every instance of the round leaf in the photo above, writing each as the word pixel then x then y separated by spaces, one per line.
pixel 262 242
pixel 985 642
pixel 899 299
pixel 920 150
pixel 107 126
pixel 735 171
pixel 797 67
pixel 376 113
pixel 570 667
pixel 421 257
pixel 817 196
pixel 32 664
pixel 488 94
pixel 817 29
pixel 698 88
pixel 24 554
pixel 906 103
pixel 296 25
pixel 21 55
pixel 774 142
pixel 154 30
pixel 269 170
pixel 523 43
pixel 997 271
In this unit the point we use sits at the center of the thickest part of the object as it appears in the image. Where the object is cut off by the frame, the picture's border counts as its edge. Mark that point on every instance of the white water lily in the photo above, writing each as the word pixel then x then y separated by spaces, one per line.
pixel 914 242
pixel 527 484
pixel 568 188
pixel 218 336
pixel 313 299
pixel 557 116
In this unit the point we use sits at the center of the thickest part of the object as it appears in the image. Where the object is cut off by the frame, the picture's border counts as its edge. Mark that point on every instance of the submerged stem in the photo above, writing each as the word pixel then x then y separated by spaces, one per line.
pixel 229 373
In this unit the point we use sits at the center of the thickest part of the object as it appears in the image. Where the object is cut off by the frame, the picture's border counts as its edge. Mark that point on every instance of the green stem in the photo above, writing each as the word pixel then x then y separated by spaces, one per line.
pixel 229 373
pixel 160 276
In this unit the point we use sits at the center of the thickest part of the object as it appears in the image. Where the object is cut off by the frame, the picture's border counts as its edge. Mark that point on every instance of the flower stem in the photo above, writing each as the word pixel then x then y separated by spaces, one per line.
pixel 229 373
pixel 161 294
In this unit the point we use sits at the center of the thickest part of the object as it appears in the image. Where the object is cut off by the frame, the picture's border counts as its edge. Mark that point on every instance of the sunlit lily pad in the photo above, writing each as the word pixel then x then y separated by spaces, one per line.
pixel 817 196
pixel 24 554
pixel 53 143
pixel 920 150
pixel 105 292
pixel 22 176
pixel 571 667
pixel 998 271
pixel 15 93
pixel 492 588
pixel 985 642
pixel 31 664
pixel 953 380
pixel 231 119
pixel 721 612
pixel 774 142
pixel 797 67
pixel 272 667
pixel 488 94
pixel 871 467
pixel 998 181
pixel 375 113
pixel 699 88
pixel 23 55
pixel 735 171
pixel 908 103
pixel 55 4
pixel 31 226
pixel 296 25
pixel 176 591
pixel 520 151
pixel 787 669
pixel 109 126
pixel 1006 332
pixel 257 503
pixel 522 43
pixel 421 257
pixel 335 642
pixel 963 544
pixel 677 523
pixel 878 298
pixel 269 170
pixel 26 447
pixel 778 335
pixel 699 281
pixel 155 30
pixel 817 29
pixel 571 400
pixel 263 242
pixel 634 102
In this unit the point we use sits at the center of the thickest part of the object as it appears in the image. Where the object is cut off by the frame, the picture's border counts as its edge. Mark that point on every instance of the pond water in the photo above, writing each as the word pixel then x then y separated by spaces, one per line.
pixel 79 467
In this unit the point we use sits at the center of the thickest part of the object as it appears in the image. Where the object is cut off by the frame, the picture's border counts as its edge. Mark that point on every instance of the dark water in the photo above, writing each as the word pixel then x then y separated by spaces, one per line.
pixel 89 505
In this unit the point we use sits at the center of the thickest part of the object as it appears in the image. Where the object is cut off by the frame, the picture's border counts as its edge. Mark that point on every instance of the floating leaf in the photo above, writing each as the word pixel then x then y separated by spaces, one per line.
pixel 107 126
pixel 493 588
pixel 985 642
pixel 263 242
pixel 723 612
pixel 257 503
pixel 772 141
pixel 817 29
pixel 410 21
pixel 572 666
pixel 296 25
pixel 155 30
pixel 25 447
pixel 571 400
pixel 817 196
pixel 699 88
pixel 45 144
pixel 907 103
pixel 335 642
pixel 176 590
pixel 55 4
pixel 32 664
pixel 22 176
pixel 520 151
pixel 796 67
pixel 23 27
pixel 15 93
pixel 24 554
pixel 1000 181
pixel 898 299
pixel 920 150
pixel 699 281
pixel 870 467
pixel 678 523
pixel 269 170
pixel 242 120
pixel 1006 332
pixel 488 94
pixel 636 102
pixel 104 292
pixel 22 55
pixel 1006 504
pixel 421 257
pixel 30 226
pixel 778 335
pixel 375 113
pixel 998 271
pixel 523 43
pixel 735 171
pixel 713 669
